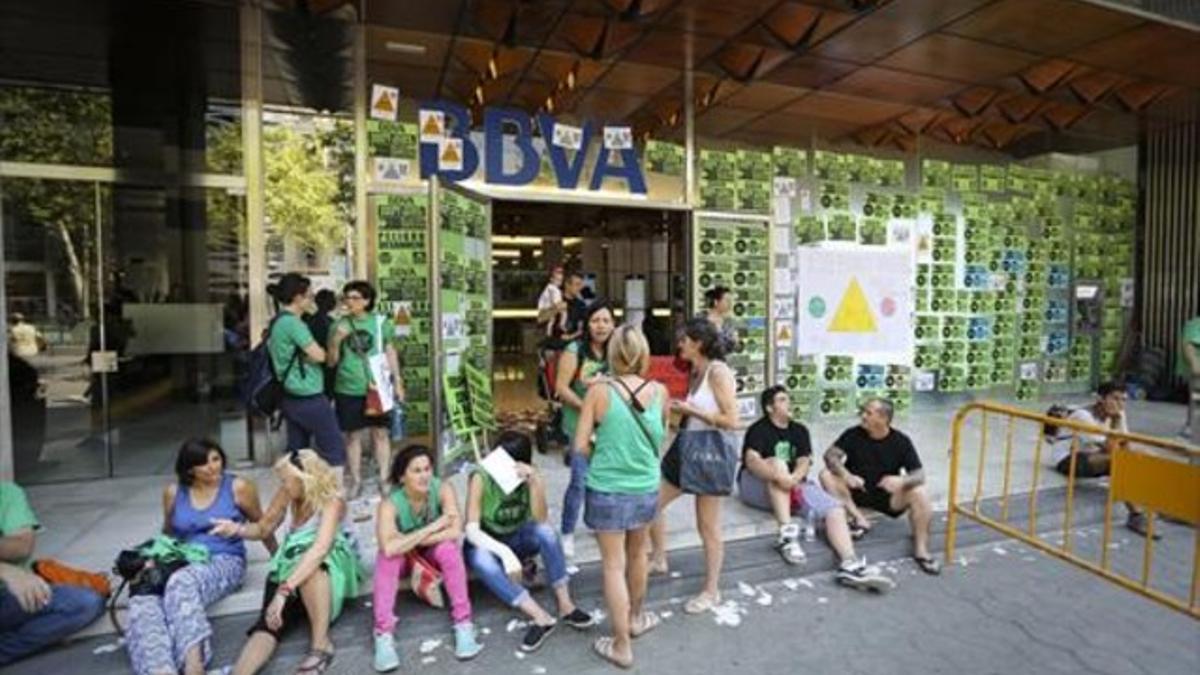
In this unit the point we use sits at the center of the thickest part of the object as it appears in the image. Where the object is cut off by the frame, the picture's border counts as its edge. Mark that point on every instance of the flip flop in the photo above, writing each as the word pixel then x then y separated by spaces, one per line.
pixel 322 663
pixel 658 569
pixel 928 565
pixel 701 603
pixel 644 623
pixel 604 648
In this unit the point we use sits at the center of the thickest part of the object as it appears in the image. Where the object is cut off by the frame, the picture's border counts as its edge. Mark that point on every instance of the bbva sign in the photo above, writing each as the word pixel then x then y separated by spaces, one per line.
pixel 567 170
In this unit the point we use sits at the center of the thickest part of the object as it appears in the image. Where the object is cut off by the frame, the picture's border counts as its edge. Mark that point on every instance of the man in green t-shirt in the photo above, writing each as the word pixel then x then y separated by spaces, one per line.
pixel 33 613
pixel 1188 367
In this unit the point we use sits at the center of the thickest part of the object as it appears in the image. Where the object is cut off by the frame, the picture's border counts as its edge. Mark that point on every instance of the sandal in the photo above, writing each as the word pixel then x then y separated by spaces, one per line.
pixel 322 663
pixel 928 565
pixel 604 648
pixel 644 623
pixel 702 603
pixel 659 568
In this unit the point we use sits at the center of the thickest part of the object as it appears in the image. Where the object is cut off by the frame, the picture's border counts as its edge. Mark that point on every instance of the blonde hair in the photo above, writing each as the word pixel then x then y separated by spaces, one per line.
pixel 628 351
pixel 319 480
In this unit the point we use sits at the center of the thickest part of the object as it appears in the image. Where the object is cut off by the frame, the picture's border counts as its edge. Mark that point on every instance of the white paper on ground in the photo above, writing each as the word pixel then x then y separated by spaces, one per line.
pixel 503 469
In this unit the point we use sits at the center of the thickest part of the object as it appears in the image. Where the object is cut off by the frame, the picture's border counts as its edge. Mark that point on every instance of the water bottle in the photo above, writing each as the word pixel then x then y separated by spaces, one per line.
pixel 810 526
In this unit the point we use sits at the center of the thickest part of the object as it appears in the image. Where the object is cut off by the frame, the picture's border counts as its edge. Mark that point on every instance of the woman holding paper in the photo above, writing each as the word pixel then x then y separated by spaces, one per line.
pixel 360 344
pixel 506 528
pixel 418 524
pixel 629 416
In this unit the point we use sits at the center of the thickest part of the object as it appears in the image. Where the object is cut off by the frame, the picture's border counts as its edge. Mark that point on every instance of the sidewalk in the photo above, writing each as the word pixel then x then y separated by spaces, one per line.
pixel 86 524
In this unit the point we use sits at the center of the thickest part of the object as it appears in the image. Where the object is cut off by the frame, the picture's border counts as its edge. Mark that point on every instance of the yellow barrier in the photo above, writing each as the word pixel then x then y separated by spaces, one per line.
pixel 1165 482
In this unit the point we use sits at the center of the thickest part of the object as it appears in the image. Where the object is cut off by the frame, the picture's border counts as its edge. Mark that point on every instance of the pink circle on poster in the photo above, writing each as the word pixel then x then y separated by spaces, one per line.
pixel 887 307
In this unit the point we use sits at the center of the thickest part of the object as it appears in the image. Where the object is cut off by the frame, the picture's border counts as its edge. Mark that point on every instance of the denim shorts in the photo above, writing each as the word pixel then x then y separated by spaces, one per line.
pixel 614 512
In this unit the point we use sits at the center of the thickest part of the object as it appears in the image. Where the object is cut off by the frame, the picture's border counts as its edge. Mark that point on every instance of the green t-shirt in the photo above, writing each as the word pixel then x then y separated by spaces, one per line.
pixel 365 334
pixel 408 521
pixel 589 367
pixel 288 335
pixel 503 514
pixel 624 461
pixel 15 514
pixel 1191 333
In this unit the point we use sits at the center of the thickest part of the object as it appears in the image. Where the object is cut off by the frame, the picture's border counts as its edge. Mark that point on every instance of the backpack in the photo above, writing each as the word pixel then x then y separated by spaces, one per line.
pixel 264 389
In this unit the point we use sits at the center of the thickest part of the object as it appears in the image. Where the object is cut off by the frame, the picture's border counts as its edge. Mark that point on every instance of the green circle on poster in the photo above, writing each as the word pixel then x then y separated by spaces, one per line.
pixel 816 306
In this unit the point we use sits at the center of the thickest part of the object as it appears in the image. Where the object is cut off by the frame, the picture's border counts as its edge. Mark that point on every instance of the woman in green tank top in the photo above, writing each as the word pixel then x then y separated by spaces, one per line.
pixel 506 533
pixel 419 519
pixel 628 415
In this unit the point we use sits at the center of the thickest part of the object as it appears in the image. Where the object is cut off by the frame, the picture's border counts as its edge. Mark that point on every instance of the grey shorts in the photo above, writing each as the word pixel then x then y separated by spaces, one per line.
pixel 814 499
pixel 614 512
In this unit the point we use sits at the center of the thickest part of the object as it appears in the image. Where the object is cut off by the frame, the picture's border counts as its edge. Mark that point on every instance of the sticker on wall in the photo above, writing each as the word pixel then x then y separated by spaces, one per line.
pixel 785 308
pixel 783 333
pixel 925 381
pixel 385 102
pixel 923 240
pixel 391 169
pixel 450 154
pixel 748 407
pixel 816 307
pixel 402 319
pixel 433 125
pixel 900 233
pixel 567 136
pixel 1029 371
pixel 785 187
pixel 887 307
pixel 1127 292
pixel 618 138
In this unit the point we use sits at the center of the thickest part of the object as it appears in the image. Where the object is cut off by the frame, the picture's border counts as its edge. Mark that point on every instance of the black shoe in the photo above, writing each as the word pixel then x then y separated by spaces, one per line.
pixel 579 619
pixel 1139 525
pixel 535 636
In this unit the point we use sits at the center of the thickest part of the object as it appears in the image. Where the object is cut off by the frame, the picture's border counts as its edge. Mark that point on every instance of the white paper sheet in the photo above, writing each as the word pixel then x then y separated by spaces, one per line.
pixel 503 469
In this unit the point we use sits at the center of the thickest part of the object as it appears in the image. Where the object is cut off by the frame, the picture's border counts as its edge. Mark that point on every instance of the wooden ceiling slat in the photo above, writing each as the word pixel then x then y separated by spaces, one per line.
pixel 955 58
pixel 1046 75
pixel 893 85
pixel 893 26
pixel 1049 27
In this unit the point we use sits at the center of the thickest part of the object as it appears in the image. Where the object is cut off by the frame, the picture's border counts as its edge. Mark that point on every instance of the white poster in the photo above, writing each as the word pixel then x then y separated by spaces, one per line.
pixel 923 239
pixel 450 154
pixel 391 169
pixel 432 125
pixel 925 381
pixel 618 138
pixel 385 102
pixel 567 136
pixel 856 302
pixel 900 233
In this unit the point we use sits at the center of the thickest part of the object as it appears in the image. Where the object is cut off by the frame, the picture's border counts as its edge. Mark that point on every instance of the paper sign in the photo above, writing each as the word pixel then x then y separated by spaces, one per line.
pixel 925 381
pixel 503 469
pixel 567 136
pixel 899 233
pixel 391 169
pixel 618 138
pixel 785 187
pixel 747 407
pixel 402 319
pixel 1127 292
pixel 385 101
pixel 783 333
pixel 381 375
pixel 805 199
pixel 104 362
pixel 450 154
pixel 1029 371
pixel 785 308
pixel 433 125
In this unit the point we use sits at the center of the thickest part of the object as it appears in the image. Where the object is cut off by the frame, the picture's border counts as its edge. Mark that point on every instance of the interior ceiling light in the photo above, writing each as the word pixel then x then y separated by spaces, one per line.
pixel 549 104
pixel 491 68
pixel 479 94
pixel 571 78
pixel 405 48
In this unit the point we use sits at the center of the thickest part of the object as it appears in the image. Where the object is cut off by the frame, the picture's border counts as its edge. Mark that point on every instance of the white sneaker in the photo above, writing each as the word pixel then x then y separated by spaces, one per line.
pixel 788 544
pixel 568 544
pixel 859 575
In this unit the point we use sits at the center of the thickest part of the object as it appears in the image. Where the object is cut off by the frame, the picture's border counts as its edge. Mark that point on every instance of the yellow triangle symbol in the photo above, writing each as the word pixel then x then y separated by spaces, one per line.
pixel 450 155
pixel 431 126
pixel 853 313
pixel 384 104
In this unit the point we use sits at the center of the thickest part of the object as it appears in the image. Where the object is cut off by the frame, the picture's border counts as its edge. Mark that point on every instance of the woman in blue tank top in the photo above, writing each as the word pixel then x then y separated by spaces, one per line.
pixel 170 633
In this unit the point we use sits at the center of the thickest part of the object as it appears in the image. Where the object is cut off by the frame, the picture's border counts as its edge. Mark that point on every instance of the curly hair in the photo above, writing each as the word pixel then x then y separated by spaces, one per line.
pixel 702 331
pixel 318 479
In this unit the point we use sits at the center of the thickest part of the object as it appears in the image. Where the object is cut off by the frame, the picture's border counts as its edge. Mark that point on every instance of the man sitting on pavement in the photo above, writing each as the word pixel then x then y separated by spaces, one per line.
pixel 776 458
pixel 876 466
pixel 1094 456
pixel 33 614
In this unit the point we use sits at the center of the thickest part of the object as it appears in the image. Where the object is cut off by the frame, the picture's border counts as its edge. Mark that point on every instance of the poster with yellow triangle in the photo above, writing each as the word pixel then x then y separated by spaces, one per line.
pixel 385 102
pixel 853 314
pixel 450 154
pixel 432 124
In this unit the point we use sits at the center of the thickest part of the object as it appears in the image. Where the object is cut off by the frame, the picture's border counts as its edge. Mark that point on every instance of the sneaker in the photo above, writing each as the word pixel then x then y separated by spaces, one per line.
pixel 535 635
pixel 788 544
pixel 465 645
pixel 859 575
pixel 568 544
pixel 386 657
pixel 1138 524
pixel 579 619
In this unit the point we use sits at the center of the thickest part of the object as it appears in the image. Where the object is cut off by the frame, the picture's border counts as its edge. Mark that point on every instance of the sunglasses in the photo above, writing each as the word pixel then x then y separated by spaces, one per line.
pixel 294 458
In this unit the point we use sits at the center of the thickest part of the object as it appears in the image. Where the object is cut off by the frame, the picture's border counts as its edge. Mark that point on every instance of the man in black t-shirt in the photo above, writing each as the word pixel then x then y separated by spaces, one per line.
pixel 876 466
pixel 776 457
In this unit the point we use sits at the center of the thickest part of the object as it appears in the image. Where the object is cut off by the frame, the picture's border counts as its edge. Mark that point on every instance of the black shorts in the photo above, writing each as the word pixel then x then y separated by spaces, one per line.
pixel 876 499
pixel 350 414
pixel 1083 468
pixel 294 613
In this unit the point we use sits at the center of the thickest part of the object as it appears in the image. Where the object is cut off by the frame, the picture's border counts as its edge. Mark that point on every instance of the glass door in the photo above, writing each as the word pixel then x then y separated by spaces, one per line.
pixel 54 314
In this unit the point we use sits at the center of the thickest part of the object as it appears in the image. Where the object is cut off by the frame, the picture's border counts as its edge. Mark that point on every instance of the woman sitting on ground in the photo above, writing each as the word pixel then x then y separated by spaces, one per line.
pixel 506 530
pixel 312 573
pixel 170 633
pixel 419 518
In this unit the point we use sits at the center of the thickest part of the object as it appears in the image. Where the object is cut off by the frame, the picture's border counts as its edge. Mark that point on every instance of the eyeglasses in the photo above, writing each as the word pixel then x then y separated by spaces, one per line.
pixel 353 296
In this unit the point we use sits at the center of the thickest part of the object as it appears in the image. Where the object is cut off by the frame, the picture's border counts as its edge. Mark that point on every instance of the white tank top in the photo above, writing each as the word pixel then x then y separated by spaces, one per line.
pixel 703 399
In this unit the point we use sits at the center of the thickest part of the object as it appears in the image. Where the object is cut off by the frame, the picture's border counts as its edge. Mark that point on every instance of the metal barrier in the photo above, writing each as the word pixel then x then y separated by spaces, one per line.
pixel 1166 482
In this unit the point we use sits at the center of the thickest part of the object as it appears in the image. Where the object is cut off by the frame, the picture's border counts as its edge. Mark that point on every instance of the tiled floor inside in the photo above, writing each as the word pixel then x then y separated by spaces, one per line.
pixel 86 523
